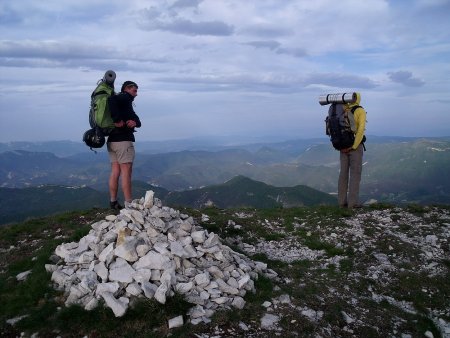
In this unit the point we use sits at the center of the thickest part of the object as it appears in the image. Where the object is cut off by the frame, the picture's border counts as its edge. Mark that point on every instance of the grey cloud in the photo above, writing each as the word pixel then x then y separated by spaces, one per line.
pixel 188 27
pixel 269 44
pixel 225 83
pixel 47 54
pixel 153 19
pixel 276 47
pixel 341 80
pixel 51 49
pixel 266 31
pixel 406 78
pixel 297 52
pixel 186 3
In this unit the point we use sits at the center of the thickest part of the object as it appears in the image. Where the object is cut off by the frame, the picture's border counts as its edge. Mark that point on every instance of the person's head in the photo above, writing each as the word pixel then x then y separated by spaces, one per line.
pixel 129 87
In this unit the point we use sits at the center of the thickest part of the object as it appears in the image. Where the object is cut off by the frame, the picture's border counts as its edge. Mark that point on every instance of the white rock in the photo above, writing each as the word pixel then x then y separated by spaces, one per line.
pixel 111 218
pixel 149 289
pixel 198 236
pixel 429 334
pixel 142 249
pixel 121 271
pixel 118 306
pixel 269 321
pixel 153 260
pixel 51 267
pixel 215 272
pixel 92 304
pixel 127 250
pixel 148 199
pixel 161 247
pixel 190 251
pixel 176 248
pixel 102 271
pixel 284 299
pixel 107 253
pixel 184 287
pixel 86 257
pixel 142 275
pixel 224 287
pixel 243 281
pixel 202 279
pixel 212 240
pixel 134 289
pixel 110 287
pixel 59 277
pixel 432 240
pixel 176 322
pixel 64 249
pixel 134 215
pixel 238 302
pixel 15 320
pixel 347 318
pixel 196 311
pixel 160 294
pixel 23 275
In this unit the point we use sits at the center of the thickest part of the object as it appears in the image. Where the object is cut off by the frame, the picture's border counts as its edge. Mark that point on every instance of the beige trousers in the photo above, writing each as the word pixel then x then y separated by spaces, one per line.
pixel 350 177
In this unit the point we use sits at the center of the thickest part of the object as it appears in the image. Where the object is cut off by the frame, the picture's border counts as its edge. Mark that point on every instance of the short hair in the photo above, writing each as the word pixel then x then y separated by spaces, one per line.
pixel 128 84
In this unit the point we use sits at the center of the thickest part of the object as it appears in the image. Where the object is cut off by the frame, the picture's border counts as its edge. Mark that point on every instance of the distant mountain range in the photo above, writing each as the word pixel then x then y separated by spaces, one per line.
pixel 396 170
pixel 18 204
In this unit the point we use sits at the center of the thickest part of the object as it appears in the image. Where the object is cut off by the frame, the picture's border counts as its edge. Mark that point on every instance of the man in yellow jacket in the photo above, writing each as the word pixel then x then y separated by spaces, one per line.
pixel 351 161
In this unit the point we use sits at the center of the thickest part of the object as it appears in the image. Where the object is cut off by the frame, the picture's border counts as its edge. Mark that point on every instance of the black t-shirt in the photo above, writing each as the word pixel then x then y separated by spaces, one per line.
pixel 121 108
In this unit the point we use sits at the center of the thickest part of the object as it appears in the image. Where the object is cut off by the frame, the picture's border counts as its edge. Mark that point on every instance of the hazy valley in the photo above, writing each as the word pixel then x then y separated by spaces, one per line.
pixel 396 170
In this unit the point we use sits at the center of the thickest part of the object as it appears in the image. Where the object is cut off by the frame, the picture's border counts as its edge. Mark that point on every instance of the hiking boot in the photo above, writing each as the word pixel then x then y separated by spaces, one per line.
pixel 115 205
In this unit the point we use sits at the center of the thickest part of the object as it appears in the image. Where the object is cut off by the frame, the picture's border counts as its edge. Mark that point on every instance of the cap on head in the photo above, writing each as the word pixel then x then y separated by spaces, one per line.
pixel 128 84
pixel 109 77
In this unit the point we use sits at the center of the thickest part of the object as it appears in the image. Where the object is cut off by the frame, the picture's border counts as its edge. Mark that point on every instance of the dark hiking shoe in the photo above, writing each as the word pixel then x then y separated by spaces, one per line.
pixel 115 205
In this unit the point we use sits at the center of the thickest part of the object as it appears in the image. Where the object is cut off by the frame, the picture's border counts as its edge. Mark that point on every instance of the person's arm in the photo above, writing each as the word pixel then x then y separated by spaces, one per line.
pixel 360 122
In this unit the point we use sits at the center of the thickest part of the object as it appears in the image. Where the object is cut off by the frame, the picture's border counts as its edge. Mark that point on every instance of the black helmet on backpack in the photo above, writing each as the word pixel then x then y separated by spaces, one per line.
pixel 94 138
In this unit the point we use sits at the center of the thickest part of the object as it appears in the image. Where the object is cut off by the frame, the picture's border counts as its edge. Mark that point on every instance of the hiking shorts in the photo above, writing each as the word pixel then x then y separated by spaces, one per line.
pixel 121 152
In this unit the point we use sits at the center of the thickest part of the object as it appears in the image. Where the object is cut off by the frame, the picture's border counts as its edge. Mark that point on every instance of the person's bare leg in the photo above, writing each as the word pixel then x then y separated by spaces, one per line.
pixel 126 169
pixel 114 181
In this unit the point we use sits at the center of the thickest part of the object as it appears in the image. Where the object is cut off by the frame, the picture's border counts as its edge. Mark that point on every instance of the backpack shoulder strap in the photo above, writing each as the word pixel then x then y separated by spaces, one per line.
pixel 354 108
pixel 363 141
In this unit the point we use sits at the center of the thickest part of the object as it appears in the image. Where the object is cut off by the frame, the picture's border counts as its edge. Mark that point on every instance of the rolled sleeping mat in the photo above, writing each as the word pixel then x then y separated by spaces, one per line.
pixel 110 77
pixel 325 99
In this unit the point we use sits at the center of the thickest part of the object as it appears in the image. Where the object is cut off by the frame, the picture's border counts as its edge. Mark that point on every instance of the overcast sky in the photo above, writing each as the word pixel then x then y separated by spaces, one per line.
pixel 234 68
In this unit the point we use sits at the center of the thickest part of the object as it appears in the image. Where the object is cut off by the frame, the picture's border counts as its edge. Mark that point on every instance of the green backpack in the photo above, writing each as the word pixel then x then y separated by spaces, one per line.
pixel 99 114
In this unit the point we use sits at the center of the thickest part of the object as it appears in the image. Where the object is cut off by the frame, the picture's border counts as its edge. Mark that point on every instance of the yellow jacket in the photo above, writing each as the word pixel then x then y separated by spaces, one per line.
pixel 360 121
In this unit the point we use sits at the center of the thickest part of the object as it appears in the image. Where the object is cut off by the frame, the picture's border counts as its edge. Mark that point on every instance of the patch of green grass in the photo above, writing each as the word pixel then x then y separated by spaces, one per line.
pixel 416 209
pixel 381 206
pixel 346 265
pixel 264 290
pixel 314 243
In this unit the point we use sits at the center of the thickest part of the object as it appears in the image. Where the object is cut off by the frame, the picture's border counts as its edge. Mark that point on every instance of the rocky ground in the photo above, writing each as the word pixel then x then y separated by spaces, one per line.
pixel 378 272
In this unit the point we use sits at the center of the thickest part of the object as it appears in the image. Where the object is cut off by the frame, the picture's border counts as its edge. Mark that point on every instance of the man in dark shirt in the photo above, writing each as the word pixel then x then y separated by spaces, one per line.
pixel 120 142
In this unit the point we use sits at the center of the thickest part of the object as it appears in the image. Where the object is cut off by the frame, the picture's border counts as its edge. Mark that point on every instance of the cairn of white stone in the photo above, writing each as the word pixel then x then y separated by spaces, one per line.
pixel 153 251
